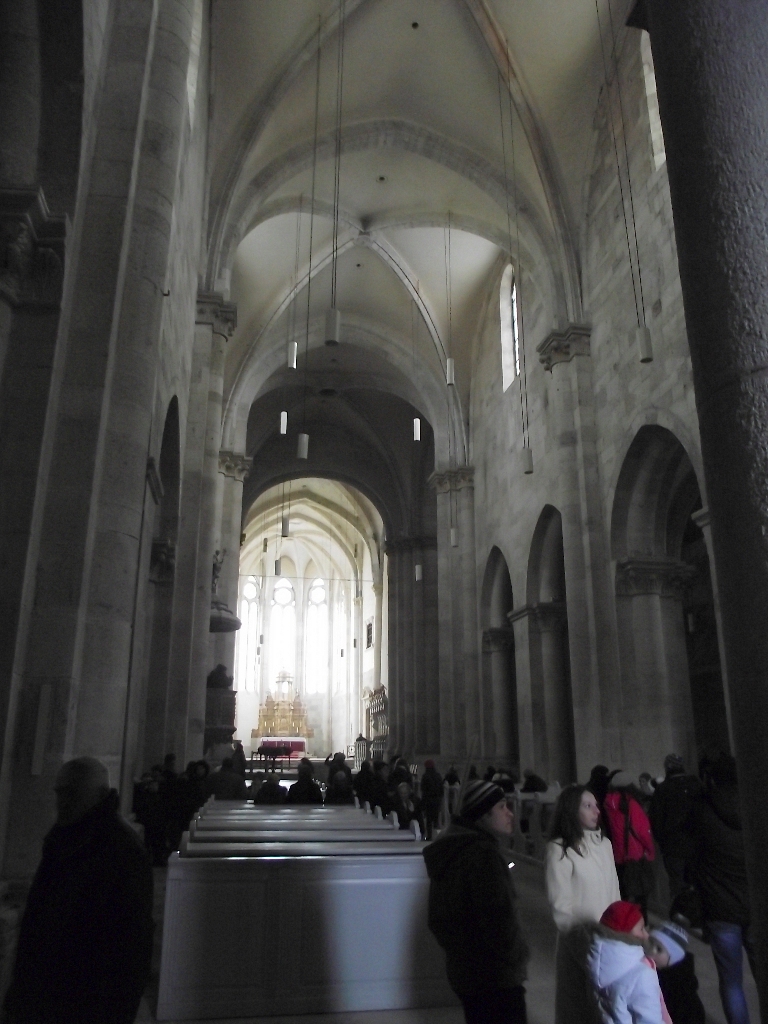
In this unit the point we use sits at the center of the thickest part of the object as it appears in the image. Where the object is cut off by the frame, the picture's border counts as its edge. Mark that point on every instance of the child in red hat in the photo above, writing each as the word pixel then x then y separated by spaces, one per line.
pixel 624 976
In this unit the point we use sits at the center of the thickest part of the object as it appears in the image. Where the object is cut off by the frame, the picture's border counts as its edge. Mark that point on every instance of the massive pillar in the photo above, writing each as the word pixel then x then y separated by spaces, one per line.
pixel 499 645
pixel 712 81
pixel 190 650
pixel 591 624
pixel 233 469
pixel 45 687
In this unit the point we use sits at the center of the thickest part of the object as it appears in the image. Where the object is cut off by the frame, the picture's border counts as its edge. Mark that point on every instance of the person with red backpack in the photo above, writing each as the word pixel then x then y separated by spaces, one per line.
pixel 633 847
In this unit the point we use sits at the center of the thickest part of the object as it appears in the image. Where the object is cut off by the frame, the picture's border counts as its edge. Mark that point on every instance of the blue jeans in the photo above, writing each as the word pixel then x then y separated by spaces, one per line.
pixel 727 940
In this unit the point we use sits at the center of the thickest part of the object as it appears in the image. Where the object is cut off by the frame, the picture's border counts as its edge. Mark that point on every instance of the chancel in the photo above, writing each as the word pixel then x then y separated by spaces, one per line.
pixel 382 381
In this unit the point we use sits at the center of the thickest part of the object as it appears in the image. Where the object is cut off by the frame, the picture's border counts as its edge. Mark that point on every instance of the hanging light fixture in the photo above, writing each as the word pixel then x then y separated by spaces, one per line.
pixel 417 570
pixel 644 343
pixel 293 354
pixel 303 447
pixel 286 526
pixel 278 566
pixel 265 545
pixel 416 428
pixel 527 460
pixel 332 326
pixel 450 371
pixel 284 422
pixel 454 537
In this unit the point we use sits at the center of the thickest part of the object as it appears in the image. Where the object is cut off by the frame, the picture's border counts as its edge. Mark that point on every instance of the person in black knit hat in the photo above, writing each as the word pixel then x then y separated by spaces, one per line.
pixel 472 910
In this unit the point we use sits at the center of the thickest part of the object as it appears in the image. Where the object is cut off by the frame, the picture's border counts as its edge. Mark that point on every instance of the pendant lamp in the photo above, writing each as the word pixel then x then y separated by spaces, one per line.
pixel 644 343
pixel 332 326
pixel 303 447
pixel 418 572
pixel 286 526
pixel 450 375
pixel 283 422
pixel 278 566
pixel 527 456
pixel 265 545
pixel 416 428
pixel 293 353
pixel 454 537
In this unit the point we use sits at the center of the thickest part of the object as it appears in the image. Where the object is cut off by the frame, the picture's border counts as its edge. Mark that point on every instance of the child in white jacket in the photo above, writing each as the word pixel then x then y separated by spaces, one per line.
pixel 625 980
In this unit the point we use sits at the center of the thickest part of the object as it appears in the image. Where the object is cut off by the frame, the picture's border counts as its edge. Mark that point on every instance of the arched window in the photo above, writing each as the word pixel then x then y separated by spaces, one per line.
pixel 510 339
pixel 316 658
pixel 282 632
pixel 248 650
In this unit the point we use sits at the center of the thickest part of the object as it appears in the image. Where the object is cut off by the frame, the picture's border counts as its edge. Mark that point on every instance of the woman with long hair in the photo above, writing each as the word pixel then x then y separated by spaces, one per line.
pixel 581 884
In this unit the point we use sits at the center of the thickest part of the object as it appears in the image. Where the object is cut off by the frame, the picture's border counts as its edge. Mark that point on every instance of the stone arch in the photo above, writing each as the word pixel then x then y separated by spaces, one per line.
pixel 501 740
pixel 159 592
pixel 554 742
pixel 672 679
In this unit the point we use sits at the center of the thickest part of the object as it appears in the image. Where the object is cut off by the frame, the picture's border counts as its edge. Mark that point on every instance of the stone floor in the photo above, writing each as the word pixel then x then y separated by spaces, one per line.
pixel 540 931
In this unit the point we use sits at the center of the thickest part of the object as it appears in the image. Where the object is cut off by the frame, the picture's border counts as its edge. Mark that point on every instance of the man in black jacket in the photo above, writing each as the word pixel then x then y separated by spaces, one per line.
pixel 472 909
pixel 720 874
pixel 669 814
pixel 85 941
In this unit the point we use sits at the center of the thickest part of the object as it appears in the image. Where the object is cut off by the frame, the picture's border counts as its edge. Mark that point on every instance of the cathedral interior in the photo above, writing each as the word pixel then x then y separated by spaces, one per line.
pixel 406 358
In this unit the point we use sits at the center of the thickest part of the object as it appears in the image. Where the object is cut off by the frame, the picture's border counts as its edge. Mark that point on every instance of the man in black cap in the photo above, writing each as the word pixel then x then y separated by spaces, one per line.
pixel 472 908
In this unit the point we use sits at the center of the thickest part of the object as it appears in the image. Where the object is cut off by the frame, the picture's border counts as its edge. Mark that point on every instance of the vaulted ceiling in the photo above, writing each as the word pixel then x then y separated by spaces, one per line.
pixel 426 167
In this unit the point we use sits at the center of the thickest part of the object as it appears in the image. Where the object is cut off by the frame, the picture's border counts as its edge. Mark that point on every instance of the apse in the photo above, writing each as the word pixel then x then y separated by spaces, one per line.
pixel 312 602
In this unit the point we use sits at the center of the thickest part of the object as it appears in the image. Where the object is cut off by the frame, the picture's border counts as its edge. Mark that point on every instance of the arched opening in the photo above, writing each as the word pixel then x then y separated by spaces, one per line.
pixel 554 741
pixel 672 681
pixel 311 593
pixel 501 740
pixel 159 593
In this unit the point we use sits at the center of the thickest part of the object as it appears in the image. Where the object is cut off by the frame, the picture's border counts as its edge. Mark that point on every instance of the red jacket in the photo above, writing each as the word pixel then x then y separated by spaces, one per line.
pixel 640 843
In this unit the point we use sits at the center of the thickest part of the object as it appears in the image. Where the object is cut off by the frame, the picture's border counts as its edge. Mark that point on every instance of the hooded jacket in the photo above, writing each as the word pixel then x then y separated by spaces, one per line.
pixel 472 911
pixel 638 845
pixel 85 941
pixel 628 990
pixel 719 866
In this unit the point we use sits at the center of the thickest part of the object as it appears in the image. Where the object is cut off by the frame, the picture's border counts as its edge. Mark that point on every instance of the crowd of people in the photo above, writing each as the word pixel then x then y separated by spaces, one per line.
pixel 609 967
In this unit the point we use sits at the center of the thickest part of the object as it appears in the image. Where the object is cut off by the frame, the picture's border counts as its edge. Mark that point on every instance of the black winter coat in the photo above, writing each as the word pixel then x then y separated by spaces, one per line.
pixel 85 941
pixel 305 791
pixel 719 867
pixel 472 911
pixel 670 813
pixel 679 986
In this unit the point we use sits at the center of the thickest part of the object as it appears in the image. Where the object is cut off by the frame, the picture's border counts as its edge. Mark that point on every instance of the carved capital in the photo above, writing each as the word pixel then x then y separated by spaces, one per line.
pixel 31 249
pixel 562 346
pixel 498 638
pixel 162 562
pixel 635 576
pixel 213 310
pixel 234 464
pixel 453 479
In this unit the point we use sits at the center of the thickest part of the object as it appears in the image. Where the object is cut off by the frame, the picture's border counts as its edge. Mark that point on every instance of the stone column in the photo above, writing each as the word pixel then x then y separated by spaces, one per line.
pixel 498 643
pixel 431 681
pixel 407 664
pixel 421 696
pixel 549 620
pixel 48 653
pixel 712 85
pixel 111 695
pixel 592 633
pixel 185 719
pixel 520 621
pixel 703 520
pixel 378 592
pixel 656 693
pixel 465 496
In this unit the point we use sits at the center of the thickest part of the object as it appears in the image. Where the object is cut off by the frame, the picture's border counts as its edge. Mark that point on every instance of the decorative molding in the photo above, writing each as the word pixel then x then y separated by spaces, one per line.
pixel 498 638
pixel 220 315
pixel 154 481
pixel 562 346
pixel 453 479
pixel 543 613
pixel 32 245
pixel 234 464
pixel 667 578
pixel 162 561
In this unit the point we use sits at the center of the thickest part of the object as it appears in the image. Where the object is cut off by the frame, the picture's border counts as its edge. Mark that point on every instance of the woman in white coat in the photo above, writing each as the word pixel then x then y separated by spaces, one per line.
pixel 581 884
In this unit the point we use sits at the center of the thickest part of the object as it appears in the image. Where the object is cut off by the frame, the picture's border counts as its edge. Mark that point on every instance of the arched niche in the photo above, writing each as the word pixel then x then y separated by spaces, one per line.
pixel 554 743
pixel 159 592
pixel 501 740
pixel 672 681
